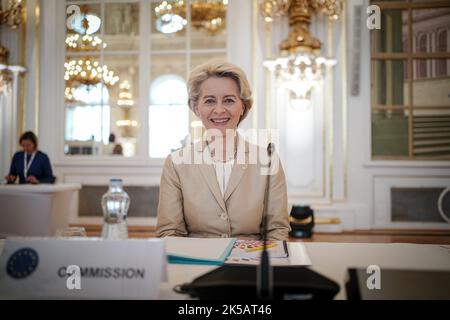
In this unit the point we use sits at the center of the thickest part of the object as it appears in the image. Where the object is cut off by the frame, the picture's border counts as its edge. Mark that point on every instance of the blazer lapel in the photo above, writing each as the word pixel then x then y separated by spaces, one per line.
pixel 209 174
pixel 237 173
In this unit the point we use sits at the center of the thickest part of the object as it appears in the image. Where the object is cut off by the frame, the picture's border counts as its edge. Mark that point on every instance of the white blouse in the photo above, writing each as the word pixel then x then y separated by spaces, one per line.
pixel 223 170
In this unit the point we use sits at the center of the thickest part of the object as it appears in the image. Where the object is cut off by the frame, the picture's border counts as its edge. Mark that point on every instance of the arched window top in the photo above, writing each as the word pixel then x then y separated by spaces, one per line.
pixel 168 89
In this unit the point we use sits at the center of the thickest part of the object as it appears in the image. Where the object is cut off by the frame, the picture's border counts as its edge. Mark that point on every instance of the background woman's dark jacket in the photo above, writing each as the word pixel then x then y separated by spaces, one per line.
pixel 40 167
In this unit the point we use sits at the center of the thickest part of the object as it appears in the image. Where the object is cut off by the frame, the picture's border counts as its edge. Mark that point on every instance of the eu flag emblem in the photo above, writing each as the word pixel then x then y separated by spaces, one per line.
pixel 22 263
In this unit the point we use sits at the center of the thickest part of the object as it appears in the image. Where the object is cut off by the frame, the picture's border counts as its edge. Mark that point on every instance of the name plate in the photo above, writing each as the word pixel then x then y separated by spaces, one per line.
pixel 82 268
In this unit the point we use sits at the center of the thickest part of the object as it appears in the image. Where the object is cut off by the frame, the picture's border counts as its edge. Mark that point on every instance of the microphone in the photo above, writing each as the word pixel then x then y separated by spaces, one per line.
pixel 264 281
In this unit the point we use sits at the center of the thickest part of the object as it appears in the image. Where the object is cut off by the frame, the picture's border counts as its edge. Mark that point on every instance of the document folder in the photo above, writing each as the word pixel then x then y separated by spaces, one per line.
pixel 199 251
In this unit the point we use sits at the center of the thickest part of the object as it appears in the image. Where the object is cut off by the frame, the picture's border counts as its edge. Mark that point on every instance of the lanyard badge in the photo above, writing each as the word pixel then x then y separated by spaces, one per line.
pixel 26 166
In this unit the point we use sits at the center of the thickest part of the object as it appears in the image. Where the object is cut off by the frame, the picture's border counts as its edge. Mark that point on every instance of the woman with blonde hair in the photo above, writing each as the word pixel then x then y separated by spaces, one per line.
pixel 212 188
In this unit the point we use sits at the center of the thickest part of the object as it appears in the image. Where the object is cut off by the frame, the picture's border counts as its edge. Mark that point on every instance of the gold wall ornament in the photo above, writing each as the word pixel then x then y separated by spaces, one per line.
pixel 300 67
pixel 12 15
pixel 5 77
pixel 4 55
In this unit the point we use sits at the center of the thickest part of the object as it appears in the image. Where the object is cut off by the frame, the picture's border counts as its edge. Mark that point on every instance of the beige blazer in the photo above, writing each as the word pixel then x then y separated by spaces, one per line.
pixel 191 203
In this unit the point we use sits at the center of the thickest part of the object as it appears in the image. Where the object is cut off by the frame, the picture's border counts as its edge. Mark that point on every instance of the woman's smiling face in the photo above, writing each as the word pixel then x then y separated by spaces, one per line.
pixel 219 105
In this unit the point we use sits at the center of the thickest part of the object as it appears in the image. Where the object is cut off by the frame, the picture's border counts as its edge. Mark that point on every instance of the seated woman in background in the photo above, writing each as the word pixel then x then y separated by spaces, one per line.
pixel 30 165
pixel 223 197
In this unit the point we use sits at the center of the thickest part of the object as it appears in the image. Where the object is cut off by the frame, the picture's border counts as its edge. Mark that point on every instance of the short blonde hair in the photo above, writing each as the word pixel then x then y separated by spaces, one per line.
pixel 219 69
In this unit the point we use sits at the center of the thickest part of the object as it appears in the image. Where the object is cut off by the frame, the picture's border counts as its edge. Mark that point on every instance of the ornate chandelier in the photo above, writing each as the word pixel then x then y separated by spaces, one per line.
pixel 125 95
pixel 85 70
pixel 209 15
pixel 88 72
pixel 126 102
pixel 300 67
pixel 77 42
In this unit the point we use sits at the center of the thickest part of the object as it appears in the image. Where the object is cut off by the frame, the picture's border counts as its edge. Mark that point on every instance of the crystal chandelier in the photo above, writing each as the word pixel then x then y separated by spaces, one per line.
pixel 209 15
pixel 126 101
pixel 78 42
pixel 300 67
pixel 125 95
pixel 85 70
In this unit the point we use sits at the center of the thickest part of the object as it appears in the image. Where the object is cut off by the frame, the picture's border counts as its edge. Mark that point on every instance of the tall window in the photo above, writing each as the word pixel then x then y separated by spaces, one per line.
pixel 410 104
pixel 168 115
pixel 179 42
pixel 138 52
pixel 88 120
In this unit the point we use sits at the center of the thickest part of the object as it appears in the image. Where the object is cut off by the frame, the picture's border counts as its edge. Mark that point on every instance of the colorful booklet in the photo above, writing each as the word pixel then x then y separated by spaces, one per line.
pixel 249 252
pixel 199 251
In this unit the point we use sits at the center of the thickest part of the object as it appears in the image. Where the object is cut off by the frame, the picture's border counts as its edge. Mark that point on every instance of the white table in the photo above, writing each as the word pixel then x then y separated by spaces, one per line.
pixel 333 259
pixel 36 210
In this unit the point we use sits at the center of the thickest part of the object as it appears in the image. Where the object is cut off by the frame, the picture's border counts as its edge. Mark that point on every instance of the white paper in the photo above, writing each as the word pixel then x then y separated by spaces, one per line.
pixel 297 256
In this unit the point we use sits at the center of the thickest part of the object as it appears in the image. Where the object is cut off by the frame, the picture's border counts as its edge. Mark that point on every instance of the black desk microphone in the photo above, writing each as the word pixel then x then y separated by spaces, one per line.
pixel 264 281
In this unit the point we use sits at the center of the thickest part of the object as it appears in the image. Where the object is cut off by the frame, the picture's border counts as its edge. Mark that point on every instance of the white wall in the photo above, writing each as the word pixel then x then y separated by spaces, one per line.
pixel 334 173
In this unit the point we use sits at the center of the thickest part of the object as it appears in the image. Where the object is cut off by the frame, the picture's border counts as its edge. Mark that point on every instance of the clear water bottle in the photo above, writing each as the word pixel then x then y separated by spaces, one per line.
pixel 115 204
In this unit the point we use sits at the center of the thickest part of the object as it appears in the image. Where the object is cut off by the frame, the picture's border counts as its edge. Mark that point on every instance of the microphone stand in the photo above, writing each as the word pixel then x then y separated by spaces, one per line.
pixel 264 279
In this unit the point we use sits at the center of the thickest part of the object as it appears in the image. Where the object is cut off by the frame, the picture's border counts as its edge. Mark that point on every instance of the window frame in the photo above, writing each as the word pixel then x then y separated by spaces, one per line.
pixel 144 55
pixel 409 56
